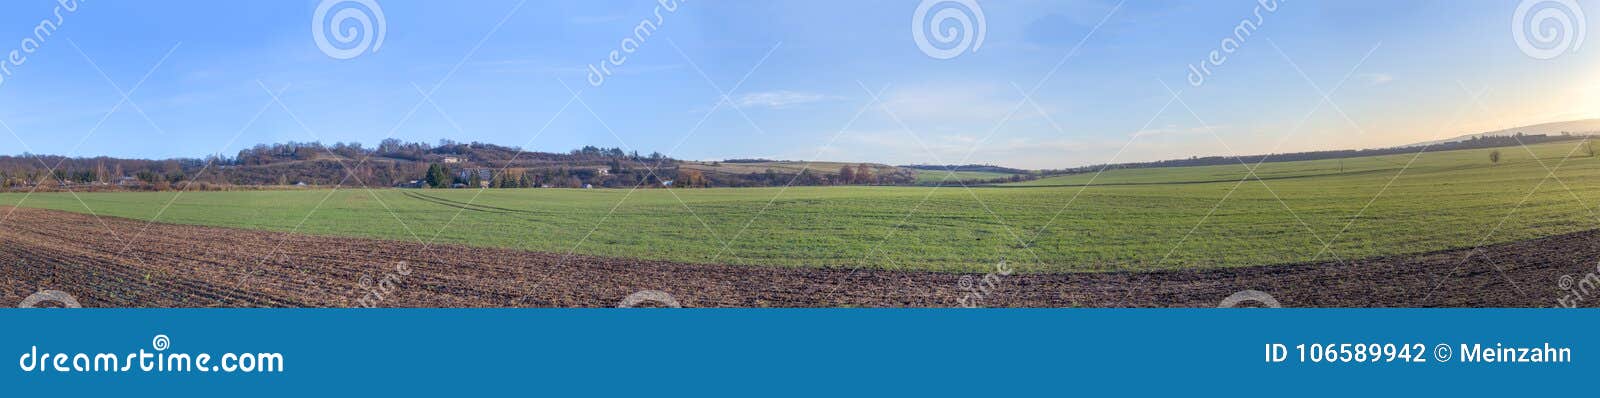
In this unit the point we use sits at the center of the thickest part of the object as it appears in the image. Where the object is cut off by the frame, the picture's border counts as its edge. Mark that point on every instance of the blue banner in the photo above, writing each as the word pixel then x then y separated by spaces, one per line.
pixel 824 352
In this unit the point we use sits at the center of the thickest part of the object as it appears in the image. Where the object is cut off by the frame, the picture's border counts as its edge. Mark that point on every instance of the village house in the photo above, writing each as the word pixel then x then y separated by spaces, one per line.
pixel 483 174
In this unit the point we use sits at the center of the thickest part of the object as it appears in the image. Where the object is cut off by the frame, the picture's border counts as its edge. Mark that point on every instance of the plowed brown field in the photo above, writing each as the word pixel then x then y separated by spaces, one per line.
pixel 188 266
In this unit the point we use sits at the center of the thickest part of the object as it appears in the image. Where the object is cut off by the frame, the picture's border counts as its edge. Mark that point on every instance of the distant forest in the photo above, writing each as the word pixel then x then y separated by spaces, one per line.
pixel 393 163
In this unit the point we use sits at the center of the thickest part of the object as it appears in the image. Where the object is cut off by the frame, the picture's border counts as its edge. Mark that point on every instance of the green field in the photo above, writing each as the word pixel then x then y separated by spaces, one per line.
pixel 1131 219
pixel 945 176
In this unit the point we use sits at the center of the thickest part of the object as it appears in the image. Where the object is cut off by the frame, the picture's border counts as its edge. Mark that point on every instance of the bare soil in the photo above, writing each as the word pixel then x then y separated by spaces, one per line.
pixel 101 264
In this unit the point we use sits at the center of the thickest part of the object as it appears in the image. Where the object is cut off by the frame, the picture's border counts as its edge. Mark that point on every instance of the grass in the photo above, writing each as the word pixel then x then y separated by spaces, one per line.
pixel 1128 220
pixel 946 176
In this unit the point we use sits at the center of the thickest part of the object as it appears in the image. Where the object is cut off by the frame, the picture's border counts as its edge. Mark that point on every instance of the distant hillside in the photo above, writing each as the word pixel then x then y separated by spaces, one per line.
pixel 1574 127
pixel 1469 143
pixel 987 168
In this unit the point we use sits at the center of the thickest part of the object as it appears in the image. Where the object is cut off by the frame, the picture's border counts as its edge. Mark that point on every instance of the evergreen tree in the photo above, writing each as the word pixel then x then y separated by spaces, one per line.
pixel 437 176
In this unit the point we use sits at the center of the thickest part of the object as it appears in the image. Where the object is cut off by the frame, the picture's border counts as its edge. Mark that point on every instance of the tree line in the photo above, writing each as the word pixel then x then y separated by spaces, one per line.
pixel 396 163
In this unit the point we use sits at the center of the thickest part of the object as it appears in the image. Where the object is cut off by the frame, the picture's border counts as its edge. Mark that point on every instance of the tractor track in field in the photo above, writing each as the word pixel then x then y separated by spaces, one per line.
pixel 193 266
pixel 462 205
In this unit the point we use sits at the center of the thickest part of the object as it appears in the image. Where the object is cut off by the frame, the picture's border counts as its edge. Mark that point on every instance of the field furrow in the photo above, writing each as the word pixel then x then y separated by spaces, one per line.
pixel 190 266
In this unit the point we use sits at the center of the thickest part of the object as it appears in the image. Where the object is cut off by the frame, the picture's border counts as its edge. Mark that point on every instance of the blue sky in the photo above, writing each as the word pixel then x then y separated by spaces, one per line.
pixel 828 80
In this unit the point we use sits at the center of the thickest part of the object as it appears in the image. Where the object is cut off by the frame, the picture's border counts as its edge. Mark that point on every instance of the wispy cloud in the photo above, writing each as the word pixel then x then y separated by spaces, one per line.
pixel 778 99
